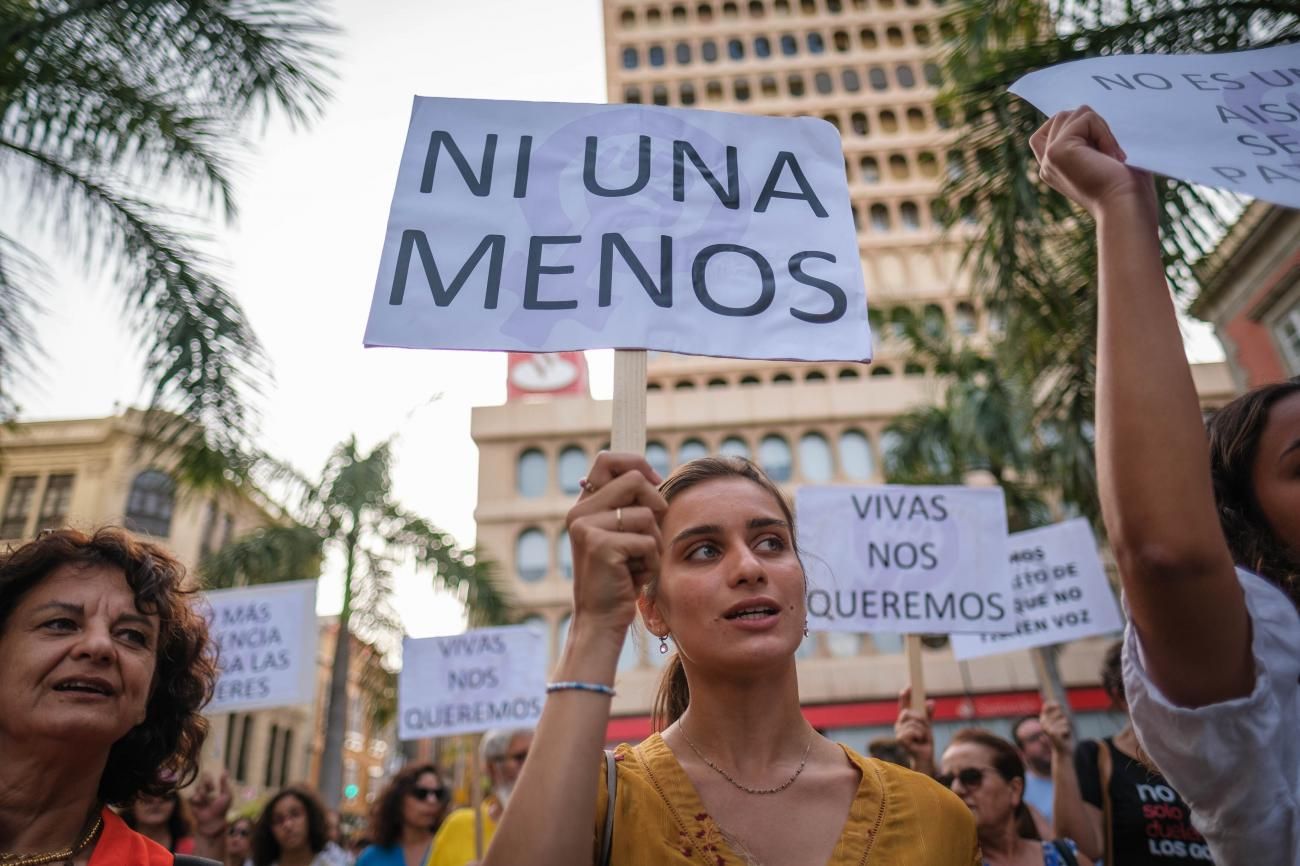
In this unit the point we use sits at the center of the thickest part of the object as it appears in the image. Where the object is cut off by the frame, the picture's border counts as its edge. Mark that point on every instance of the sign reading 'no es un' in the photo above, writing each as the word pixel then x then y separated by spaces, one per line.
pixel 905 558
pixel 543 227
pixel 482 679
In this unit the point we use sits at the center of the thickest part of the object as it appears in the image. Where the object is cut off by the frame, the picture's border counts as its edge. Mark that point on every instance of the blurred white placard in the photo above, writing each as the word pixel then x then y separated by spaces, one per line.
pixel 1225 120
pixel 545 227
pixel 1058 589
pixel 904 558
pixel 482 679
pixel 266 639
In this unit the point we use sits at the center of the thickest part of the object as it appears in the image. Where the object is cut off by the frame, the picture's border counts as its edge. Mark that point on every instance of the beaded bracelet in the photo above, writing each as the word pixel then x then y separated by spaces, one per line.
pixel 573 686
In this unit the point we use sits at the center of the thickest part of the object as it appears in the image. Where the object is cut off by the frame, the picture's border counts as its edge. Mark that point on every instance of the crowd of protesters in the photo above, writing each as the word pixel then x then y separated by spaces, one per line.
pixel 105 665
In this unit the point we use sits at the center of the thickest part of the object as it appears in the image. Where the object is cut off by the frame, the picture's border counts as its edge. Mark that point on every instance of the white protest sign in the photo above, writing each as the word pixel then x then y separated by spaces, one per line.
pixel 904 559
pixel 1059 592
pixel 266 638
pixel 545 227
pixel 1224 120
pixel 482 679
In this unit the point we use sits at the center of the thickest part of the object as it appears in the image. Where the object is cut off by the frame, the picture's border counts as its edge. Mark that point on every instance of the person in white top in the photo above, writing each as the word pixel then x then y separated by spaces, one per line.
pixel 1205 530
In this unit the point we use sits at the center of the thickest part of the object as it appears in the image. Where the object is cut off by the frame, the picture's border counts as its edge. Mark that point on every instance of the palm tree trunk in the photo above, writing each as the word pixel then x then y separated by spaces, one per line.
pixel 331 767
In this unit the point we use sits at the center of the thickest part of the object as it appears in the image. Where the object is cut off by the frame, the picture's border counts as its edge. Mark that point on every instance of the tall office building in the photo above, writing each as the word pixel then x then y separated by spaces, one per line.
pixel 866 67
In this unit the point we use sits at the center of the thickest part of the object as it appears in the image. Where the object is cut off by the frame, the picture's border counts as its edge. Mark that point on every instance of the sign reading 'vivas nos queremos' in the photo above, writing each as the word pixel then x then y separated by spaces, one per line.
pixel 543 227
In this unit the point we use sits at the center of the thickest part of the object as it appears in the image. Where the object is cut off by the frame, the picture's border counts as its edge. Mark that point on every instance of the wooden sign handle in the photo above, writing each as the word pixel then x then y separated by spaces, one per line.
pixel 916 673
pixel 628 422
pixel 476 803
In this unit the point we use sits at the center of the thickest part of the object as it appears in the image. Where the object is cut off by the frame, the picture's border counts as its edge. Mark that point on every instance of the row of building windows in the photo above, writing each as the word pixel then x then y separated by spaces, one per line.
pixel 149 504
pixel 684 53
pixel 852 458
pixel 681 13
pixel 886 120
pixel 641 649
pixel 793 85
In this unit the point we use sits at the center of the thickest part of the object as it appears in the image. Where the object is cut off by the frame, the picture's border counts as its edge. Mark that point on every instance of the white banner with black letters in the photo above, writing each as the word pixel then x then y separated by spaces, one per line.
pixel 544 227
pixel 1058 589
pixel 266 645
pixel 482 679
pixel 900 558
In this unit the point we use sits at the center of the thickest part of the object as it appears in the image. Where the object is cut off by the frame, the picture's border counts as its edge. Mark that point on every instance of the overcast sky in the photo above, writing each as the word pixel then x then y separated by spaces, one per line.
pixel 303 257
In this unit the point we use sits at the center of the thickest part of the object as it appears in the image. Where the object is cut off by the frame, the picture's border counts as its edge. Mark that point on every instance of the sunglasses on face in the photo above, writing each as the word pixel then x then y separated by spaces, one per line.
pixel 434 794
pixel 970 778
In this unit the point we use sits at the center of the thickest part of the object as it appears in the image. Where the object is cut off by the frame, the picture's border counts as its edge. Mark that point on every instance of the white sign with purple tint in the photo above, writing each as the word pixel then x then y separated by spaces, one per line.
pixel 906 559
pixel 544 227
pixel 1225 120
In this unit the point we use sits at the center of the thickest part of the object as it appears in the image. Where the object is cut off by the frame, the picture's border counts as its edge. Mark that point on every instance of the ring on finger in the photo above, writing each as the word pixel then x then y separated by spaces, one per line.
pixel 618 515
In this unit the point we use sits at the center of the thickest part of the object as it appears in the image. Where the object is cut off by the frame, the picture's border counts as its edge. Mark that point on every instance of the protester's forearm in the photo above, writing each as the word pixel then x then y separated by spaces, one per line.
pixel 1153 473
pixel 551 817
pixel 1071 816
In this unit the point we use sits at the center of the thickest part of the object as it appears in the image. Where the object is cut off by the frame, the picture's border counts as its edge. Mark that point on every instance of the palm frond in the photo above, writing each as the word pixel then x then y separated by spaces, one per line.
pixel 21 278
pixel 270 554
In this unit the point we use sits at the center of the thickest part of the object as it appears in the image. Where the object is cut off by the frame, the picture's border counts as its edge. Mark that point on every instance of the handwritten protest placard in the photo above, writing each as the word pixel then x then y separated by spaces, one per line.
pixel 482 679
pixel 543 227
pixel 905 559
pixel 1224 120
pixel 1058 589
pixel 266 643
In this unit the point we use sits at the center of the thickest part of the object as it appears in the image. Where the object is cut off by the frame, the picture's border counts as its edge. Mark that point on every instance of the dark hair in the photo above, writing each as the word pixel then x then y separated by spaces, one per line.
pixel 1234 432
pixel 1015 728
pixel 179 824
pixel 674 693
pixel 1006 760
pixel 386 817
pixel 265 849
pixel 161 753
pixel 1112 674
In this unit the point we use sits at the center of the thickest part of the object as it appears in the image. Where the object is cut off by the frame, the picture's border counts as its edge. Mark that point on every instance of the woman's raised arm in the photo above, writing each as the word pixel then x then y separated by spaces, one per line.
pixel 614 529
pixel 1153 462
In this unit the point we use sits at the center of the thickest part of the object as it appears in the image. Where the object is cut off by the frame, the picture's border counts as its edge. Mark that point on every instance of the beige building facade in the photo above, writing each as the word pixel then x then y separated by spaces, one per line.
pixel 867 67
pixel 91 472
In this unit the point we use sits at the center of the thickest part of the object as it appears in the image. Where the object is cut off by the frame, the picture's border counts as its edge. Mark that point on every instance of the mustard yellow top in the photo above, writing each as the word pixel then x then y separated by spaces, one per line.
pixel 898 817
pixel 454 843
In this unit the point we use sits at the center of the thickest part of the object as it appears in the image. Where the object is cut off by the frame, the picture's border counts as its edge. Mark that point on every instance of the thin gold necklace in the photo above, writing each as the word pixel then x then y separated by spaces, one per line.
pixel 54 856
pixel 748 790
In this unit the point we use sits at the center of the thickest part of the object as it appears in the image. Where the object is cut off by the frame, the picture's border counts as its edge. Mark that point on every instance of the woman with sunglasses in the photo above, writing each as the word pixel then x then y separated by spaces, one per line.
pixel 408 813
pixel 987 773
pixel 239 842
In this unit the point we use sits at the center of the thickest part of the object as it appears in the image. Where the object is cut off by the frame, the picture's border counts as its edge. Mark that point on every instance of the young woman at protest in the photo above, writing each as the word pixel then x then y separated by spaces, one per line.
pixel 737 776
pixel 293 830
pixel 1206 532
pixel 165 819
pixel 1112 804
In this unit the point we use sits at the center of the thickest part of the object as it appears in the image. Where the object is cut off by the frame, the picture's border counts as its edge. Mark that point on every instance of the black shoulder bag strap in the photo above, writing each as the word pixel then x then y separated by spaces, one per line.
pixel 611 793
pixel 1067 856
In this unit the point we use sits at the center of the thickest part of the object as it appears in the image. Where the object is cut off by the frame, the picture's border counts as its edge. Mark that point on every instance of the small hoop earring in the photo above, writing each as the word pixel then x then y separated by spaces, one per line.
pixel 663 644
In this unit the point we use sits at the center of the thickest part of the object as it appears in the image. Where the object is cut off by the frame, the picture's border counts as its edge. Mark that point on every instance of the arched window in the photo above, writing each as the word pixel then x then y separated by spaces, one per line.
pixel 767 86
pixel 713 91
pixel 888 122
pixel 852 83
pixel 867 38
pixel 679 14
pixel 894 37
pixel 564 555
pixel 656 454
pixel 750 381
pixel 880 218
pixel 632 95
pixel 816 43
pixel 150 503
pixel 684 385
pixel 572 466
pixel 921 34
pixel 966 321
pixel 905 76
pixel 833 120
pixel 730 10
pixel 822 81
pixel 910 216
pixel 709 51
pixel 881 371
pixel 934 320
pixel 683 53
pixel 530 473
pixel 782 379
pixel 659 96
pixel 858 121
pixel 911 368
pixel 927 164
pixel 933 76
pixel 775 457
pixel 756 9
pixel 942 117
pixel 741 88
pixel 846 374
pixel 815 462
pixel 630 59
pixel 627 20
pixel 916 119
pixel 794 83
pixel 717 382
pixel 656 55
pixel 654 17
pixel 843 644
pixel 692 449
pixel 734 446
pixel 532 558
pixel 855 455
pixel 898 167
pixel 653 386
pixel 789 46
pixel 735 49
pixel 870 170
pixel 878 79
pixel 840 40
pixel 762 46
pixel 808 7
pixel 704 12
pixel 782 8
pixel 686 93
pixel 814 376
